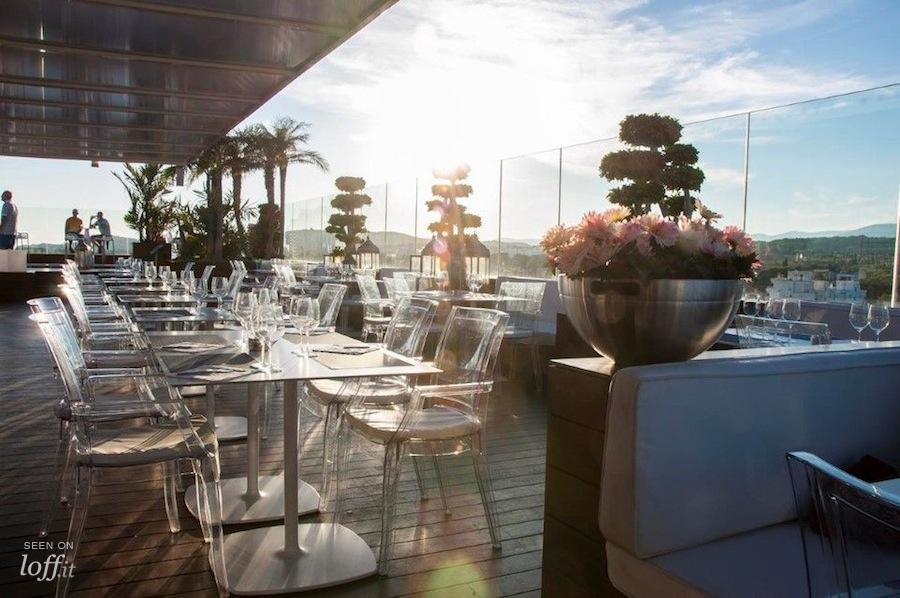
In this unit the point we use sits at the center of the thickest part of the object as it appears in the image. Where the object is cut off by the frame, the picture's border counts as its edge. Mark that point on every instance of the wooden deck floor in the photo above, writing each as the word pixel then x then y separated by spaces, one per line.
pixel 127 549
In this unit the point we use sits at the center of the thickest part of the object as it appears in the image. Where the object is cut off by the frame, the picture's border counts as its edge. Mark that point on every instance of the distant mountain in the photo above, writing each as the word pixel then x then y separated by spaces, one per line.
pixel 313 242
pixel 886 229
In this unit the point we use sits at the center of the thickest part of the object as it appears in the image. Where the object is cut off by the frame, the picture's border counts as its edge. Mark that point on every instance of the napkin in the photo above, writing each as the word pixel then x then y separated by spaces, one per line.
pixel 343 349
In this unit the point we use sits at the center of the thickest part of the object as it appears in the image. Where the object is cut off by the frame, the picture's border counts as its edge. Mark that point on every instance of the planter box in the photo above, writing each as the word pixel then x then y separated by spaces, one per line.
pixel 13 260
pixel 160 253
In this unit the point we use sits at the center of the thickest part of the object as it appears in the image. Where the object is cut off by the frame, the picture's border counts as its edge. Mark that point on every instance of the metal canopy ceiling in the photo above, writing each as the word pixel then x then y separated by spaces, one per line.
pixel 153 80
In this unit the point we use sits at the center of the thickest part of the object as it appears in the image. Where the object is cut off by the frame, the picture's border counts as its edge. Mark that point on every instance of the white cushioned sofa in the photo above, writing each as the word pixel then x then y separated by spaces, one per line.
pixel 696 494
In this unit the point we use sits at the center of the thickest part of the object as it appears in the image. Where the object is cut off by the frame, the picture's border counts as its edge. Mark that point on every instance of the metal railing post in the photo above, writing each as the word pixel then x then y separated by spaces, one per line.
pixel 746 170
pixel 500 221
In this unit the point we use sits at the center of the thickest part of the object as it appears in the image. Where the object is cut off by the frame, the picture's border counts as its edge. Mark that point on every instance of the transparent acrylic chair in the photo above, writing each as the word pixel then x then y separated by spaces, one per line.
pixel 122 331
pixel 375 320
pixel 174 436
pixel 522 300
pixel 445 417
pixel 203 282
pixel 110 386
pixel 330 297
pixel 405 335
pixel 111 350
pixel 850 529
pixel 397 289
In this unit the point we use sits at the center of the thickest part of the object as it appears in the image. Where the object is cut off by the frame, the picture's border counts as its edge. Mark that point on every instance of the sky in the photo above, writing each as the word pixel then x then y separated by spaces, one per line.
pixel 434 82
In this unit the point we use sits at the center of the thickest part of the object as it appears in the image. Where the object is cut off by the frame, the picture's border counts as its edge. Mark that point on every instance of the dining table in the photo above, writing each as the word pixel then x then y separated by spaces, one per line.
pixel 181 318
pixel 292 556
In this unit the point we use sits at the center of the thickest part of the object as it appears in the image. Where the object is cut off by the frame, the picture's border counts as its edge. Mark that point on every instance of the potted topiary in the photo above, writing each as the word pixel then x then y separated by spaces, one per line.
pixel 652 280
pixel 453 221
pixel 345 224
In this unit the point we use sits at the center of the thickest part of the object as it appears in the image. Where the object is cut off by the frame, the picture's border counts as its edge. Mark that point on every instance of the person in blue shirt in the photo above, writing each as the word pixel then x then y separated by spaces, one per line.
pixel 9 216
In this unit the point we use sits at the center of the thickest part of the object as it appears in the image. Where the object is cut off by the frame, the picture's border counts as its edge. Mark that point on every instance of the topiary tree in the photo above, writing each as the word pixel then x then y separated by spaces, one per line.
pixel 346 225
pixel 454 219
pixel 661 171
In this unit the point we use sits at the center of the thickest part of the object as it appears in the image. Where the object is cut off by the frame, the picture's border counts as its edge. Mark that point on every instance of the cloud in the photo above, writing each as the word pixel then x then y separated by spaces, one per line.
pixel 434 80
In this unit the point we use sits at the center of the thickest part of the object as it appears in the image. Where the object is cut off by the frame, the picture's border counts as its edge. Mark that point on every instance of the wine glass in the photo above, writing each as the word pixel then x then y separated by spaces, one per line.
pixel 304 315
pixel 266 324
pixel 790 311
pixel 879 319
pixel 150 272
pixel 473 280
pixel 262 295
pixel 859 317
pixel 219 288
pixel 243 307
pixel 163 273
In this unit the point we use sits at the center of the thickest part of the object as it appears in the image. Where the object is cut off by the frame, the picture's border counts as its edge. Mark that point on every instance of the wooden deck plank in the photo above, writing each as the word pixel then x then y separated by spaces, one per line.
pixel 128 550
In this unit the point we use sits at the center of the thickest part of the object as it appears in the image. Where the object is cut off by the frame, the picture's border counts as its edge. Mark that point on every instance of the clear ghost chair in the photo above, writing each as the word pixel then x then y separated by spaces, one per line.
pixel 522 300
pixel 203 281
pixel 188 267
pixel 104 352
pixel 445 417
pixel 374 305
pixel 330 297
pixel 173 437
pixel 124 332
pixel 114 393
pixel 405 335
pixel 397 289
pixel 850 529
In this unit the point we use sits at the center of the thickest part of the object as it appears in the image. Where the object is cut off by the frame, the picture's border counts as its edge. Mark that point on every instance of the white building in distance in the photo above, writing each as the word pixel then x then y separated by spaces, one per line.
pixel 817 285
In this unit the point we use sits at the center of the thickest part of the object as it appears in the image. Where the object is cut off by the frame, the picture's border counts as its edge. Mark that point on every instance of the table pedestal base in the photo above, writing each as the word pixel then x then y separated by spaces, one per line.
pixel 231 427
pixel 268 506
pixel 329 555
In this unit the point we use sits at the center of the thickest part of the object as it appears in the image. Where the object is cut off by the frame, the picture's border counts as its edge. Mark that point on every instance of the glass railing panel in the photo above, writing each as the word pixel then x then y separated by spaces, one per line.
pixel 400 237
pixel 583 189
pixel 721 145
pixel 529 206
pixel 823 193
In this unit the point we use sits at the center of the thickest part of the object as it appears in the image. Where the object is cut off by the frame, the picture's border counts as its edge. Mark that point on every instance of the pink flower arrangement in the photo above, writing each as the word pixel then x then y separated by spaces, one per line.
pixel 613 244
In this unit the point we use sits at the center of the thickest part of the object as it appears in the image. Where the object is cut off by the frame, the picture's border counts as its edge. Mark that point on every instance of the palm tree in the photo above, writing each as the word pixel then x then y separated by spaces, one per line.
pixel 147 185
pixel 241 153
pixel 279 147
pixel 212 162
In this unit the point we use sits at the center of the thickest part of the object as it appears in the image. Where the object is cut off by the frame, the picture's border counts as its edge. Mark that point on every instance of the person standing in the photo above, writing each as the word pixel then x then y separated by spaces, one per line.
pixel 9 216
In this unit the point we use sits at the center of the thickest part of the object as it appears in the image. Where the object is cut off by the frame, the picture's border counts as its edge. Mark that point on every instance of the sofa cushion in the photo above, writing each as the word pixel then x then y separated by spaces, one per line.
pixel 695 451
pixel 764 562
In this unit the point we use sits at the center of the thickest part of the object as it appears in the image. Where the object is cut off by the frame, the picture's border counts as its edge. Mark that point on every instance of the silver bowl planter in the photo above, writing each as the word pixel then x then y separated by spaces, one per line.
pixel 636 322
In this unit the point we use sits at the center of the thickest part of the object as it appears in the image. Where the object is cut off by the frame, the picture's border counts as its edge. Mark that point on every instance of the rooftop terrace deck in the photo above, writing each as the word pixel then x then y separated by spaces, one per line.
pixel 128 550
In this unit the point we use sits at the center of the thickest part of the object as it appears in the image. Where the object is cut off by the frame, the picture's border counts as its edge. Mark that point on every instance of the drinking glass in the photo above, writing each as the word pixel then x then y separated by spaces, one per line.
pixel 266 325
pixel 163 272
pixel 219 288
pixel 150 272
pixel 187 281
pixel 304 315
pixel 243 307
pixel 859 318
pixel 790 311
pixel 473 280
pixel 879 319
